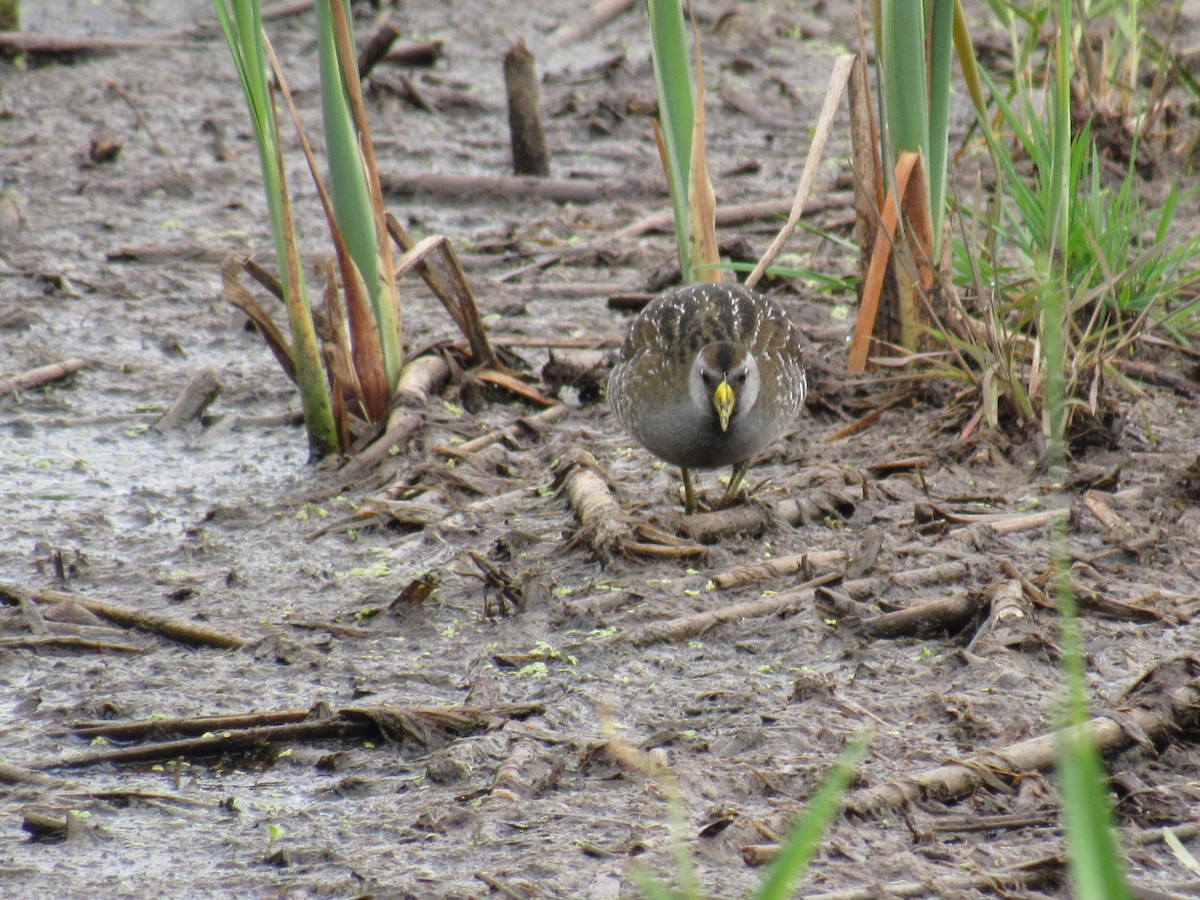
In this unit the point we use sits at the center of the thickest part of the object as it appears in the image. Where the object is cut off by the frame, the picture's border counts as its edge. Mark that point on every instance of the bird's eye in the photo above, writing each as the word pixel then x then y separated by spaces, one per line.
pixel 706 377
pixel 739 378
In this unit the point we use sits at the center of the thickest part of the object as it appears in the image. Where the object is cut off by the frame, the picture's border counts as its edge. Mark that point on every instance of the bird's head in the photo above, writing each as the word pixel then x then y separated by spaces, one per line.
pixel 724 378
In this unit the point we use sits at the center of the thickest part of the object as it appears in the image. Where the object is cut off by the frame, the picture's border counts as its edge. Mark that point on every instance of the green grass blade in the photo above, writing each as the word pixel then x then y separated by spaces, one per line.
pixel 676 111
pixel 941 47
pixel 651 888
pixel 1094 858
pixel 306 350
pixel 904 76
pixel 241 23
pixel 347 177
pixel 805 836
pixel 350 188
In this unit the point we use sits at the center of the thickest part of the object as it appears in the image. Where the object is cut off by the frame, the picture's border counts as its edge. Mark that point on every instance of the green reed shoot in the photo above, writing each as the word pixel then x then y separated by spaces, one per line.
pixel 1093 855
pixel 351 177
pixel 676 110
pixel 914 43
pixel 241 22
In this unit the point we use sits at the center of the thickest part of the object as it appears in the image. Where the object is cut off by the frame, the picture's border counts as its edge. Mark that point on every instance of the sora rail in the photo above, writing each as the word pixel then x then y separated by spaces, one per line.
pixel 708 376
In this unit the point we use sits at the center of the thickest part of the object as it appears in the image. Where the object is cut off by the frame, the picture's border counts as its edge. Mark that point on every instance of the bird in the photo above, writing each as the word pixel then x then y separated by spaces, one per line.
pixel 708 376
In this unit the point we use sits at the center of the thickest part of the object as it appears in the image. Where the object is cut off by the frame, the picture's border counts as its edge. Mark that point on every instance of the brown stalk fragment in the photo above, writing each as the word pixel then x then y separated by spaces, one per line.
pixel 528 771
pixel 393 440
pixel 602 524
pixel 531 425
pixel 1000 523
pixel 526 135
pixel 604 527
pixel 67 642
pixel 1169 695
pixel 40 375
pixel 806 563
pixel 423 53
pixel 420 379
pixel 237 295
pixel 1009 622
pixel 876 585
pixel 944 616
pixel 457 298
pixel 201 390
pixel 516 386
pixel 142 619
pixel 709 527
pixel 489 188
pixel 498 580
pixel 377 46
pixel 594 18
pixel 419 724
pixel 816 506
pixel 37 44
pixel 686 627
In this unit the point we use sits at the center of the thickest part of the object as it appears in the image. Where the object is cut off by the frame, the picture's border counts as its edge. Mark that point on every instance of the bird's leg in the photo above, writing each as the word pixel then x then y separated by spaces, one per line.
pixel 689 494
pixel 735 480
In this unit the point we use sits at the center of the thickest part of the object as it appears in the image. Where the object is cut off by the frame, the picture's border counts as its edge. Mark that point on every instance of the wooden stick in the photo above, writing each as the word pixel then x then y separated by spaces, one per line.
pixel 685 627
pixel 377 46
pixel 875 585
pixel 62 45
pixel 948 614
pixel 527 138
pixel 197 396
pixel 1037 754
pixel 419 379
pixel 66 642
pixel 709 527
pixel 602 524
pixel 833 96
pixel 597 16
pixel 531 424
pixel 517 187
pixel 41 375
pixel 424 53
pixel 144 620
pixel 773 568
pixel 419 724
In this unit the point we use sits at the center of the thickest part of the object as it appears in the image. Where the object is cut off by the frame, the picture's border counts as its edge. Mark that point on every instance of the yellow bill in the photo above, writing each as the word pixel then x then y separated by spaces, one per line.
pixel 723 400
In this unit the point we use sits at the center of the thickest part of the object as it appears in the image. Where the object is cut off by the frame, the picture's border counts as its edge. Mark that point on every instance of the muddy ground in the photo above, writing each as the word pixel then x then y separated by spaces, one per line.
pixel 516 794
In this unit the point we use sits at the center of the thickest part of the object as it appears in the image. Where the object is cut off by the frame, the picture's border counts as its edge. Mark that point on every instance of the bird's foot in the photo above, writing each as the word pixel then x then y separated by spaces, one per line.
pixel 731 489
pixel 690 503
